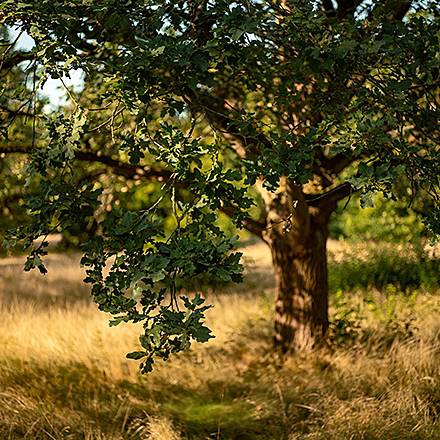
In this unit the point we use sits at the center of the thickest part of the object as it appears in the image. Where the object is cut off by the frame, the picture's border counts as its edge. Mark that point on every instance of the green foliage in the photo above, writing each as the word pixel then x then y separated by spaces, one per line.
pixel 406 267
pixel 344 323
pixel 396 312
pixel 373 178
pixel 391 310
pixel 388 221
pixel 432 222
pixel 142 259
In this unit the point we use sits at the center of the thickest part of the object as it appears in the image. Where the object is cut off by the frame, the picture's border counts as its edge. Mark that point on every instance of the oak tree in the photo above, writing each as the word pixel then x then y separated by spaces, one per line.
pixel 271 112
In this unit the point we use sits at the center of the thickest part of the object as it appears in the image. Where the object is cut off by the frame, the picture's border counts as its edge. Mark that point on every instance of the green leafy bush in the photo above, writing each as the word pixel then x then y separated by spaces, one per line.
pixel 387 221
pixel 405 267
pixel 344 319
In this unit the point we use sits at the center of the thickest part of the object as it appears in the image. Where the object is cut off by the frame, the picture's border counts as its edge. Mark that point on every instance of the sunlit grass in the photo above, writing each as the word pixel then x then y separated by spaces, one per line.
pixel 64 375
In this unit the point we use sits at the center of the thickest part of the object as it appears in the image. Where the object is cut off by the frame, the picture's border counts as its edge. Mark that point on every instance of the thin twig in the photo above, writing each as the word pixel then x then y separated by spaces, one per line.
pixel 108 120
pixel 70 95
pixel 11 45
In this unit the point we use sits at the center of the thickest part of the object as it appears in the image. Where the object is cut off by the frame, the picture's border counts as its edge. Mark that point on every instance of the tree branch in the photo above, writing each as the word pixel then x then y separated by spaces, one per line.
pixel 347 7
pixel 126 170
pixel 338 163
pixel 251 225
pixel 328 200
pixel 8 149
pixel 16 58
pixel 217 113
pixel 139 172
pixel 400 9
pixel 129 171
pixel 158 175
pixel 12 114
pixel 328 7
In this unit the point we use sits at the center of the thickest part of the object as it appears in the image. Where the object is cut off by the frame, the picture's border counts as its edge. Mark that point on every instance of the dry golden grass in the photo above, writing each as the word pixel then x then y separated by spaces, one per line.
pixel 64 375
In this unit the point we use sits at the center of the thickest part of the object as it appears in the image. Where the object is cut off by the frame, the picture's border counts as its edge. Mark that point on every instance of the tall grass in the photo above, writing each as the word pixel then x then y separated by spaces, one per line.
pixel 63 372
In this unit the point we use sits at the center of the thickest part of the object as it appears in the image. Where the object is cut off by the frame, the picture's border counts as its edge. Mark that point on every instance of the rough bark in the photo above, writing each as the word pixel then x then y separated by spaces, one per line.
pixel 300 264
pixel 301 320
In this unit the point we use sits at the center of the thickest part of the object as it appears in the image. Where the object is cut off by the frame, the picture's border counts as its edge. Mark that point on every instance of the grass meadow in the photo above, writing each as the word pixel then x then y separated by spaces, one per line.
pixel 64 375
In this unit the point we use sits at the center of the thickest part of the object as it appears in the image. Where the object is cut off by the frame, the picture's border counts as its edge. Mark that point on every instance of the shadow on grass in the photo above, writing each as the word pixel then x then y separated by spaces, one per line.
pixel 381 385
pixel 50 398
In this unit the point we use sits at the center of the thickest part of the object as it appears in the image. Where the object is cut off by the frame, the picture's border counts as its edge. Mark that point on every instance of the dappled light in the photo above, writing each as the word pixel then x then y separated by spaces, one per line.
pixel 224 223
pixel 64 373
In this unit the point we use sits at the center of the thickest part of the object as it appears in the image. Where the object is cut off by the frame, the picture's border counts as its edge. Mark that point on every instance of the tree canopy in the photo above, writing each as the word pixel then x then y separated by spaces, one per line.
pixel 269 111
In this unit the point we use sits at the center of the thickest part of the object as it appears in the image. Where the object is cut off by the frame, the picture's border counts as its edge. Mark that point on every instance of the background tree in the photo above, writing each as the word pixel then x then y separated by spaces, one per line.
pixel 303 101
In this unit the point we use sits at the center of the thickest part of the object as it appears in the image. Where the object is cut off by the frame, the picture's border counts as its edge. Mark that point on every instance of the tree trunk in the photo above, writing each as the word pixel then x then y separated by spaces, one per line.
pixel 297 238
pixel 301 319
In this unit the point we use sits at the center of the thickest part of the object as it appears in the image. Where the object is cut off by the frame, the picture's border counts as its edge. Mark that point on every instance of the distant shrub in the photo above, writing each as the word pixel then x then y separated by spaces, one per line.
pixel 406 267
pixel 344 319
pixel 387 221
